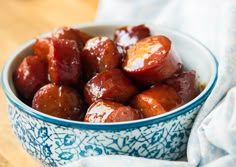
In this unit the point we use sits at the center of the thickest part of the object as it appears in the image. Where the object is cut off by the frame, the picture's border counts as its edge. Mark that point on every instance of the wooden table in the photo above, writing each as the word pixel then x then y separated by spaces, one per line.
pixel 20 20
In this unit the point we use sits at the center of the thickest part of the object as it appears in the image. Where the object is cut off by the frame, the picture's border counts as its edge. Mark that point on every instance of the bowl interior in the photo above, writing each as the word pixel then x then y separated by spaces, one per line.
pixel 193 54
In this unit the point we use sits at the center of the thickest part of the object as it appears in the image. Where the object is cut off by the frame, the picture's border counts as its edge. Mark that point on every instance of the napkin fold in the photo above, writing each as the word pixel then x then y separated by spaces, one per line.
pixel 212 141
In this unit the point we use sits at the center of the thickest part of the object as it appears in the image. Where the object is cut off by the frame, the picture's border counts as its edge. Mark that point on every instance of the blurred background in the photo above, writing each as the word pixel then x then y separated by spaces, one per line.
pixel 21 20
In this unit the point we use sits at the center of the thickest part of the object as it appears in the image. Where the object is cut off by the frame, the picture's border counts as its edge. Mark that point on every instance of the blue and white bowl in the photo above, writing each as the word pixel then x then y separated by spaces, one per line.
pixel 55 142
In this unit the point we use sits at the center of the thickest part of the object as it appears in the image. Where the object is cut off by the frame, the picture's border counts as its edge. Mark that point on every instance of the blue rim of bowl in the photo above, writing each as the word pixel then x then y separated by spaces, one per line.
pixel 189 107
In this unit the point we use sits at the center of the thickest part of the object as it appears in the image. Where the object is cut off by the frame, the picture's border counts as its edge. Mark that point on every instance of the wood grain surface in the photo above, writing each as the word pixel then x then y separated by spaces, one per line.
pixel 21 20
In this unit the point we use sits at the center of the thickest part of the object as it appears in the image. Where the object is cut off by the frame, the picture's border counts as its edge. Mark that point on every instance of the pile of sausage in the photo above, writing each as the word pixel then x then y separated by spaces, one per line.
pixel 76 76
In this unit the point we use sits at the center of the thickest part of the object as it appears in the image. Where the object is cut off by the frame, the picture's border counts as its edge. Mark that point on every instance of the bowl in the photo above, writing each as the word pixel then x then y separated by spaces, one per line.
pixel 55 142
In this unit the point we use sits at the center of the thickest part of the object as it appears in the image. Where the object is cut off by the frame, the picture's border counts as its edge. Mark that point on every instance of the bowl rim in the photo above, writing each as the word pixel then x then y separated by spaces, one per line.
pixel 188 107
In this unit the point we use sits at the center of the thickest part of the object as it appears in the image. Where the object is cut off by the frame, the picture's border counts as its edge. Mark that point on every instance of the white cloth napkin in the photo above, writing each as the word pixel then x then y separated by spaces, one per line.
pixel 212 140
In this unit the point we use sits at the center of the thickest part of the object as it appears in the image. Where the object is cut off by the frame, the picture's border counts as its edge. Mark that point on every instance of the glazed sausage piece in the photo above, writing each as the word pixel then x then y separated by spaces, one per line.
pixel 59 101
pixel 98 55
pixel 103 111
pixel 128 36
pixel 64 62
pixel 151 60
pixel 30 75
pixel 185 84
pixel 83 35
pixel 156 100
pixel 111 84
pixel 41 48
pixel 71 34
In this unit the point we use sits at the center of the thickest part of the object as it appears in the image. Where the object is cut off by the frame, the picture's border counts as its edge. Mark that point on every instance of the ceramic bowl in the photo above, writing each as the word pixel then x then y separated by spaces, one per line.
pixel 55 142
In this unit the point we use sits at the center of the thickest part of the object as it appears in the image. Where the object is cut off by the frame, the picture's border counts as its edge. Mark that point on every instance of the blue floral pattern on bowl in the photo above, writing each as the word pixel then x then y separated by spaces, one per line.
pixel 55 145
